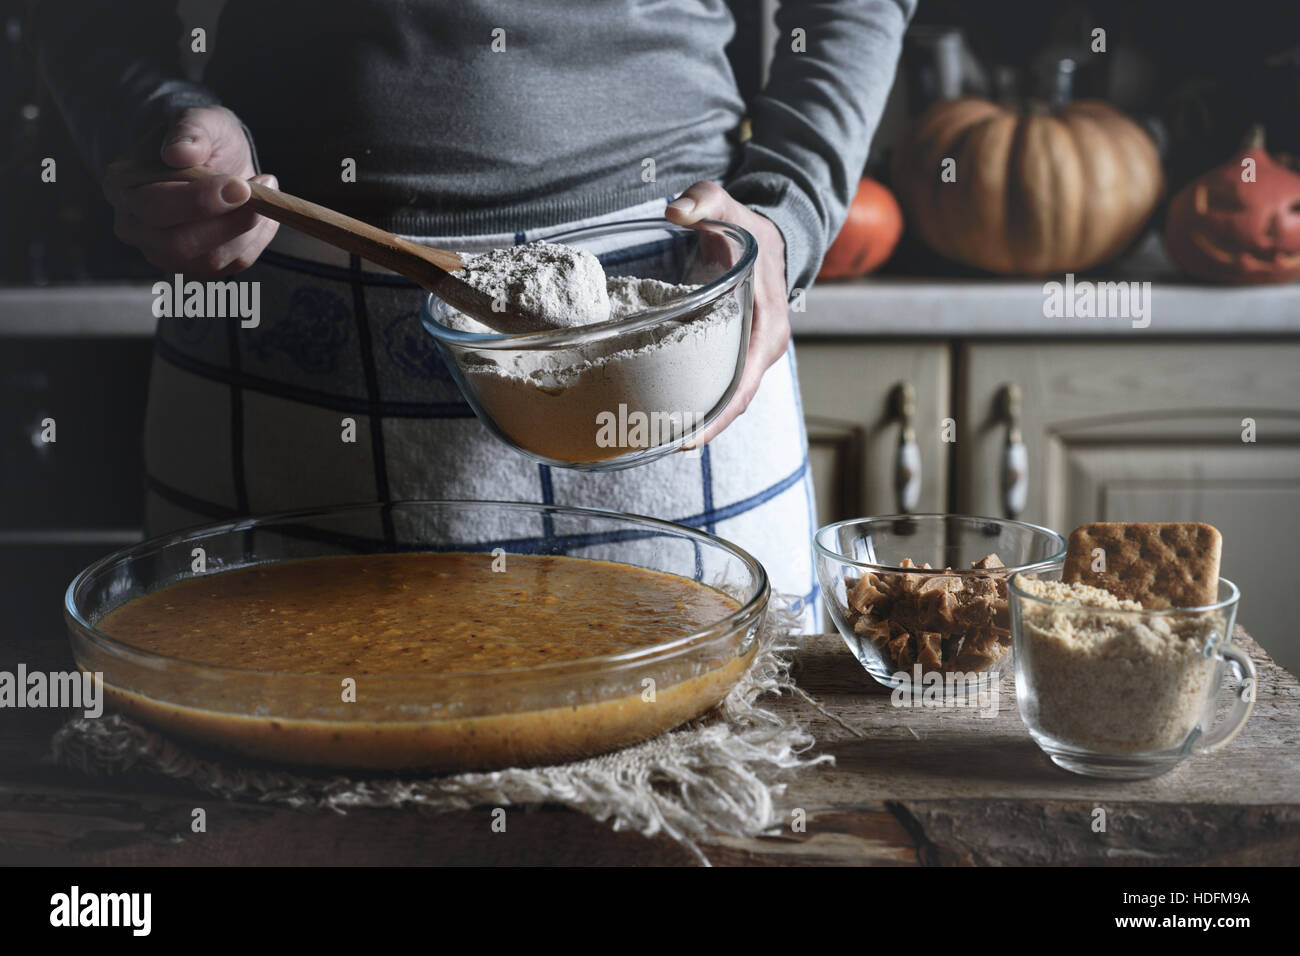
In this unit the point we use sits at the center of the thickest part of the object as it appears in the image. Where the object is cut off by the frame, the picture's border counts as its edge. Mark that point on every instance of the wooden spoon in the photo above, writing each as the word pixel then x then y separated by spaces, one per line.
pixel 430 268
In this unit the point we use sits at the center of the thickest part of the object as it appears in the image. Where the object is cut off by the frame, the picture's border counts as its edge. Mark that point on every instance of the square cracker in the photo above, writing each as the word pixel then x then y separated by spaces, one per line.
pixel 1157 564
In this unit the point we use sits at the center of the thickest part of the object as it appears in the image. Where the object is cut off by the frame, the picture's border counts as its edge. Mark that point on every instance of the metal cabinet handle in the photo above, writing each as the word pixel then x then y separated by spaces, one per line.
pixel 1015 457
pixel 907 461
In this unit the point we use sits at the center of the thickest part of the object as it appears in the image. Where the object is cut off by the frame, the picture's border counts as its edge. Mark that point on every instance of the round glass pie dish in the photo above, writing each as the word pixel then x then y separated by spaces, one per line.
pixel 481 719
pixel 624 392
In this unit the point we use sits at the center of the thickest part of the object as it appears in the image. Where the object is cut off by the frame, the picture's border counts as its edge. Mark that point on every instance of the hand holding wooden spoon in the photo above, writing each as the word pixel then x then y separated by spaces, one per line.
pixel 174 225
pixel 203 230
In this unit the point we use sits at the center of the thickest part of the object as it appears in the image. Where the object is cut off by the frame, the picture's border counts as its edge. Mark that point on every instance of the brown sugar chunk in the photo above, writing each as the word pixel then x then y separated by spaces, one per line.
pixel 899 647
pixel 942 621
pixel 978 652
pixel 867 593
pixel 929 651
pixel 1157 564
pixel 939 610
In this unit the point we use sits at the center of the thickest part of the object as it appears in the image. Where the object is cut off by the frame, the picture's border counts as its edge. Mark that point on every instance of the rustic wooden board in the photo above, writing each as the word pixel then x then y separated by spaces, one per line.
pixel 908 787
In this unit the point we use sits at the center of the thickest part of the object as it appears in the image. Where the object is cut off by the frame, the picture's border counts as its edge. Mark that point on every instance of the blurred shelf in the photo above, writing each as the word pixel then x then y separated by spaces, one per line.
pixel 902 307
pixel 118 309
pixel 885 306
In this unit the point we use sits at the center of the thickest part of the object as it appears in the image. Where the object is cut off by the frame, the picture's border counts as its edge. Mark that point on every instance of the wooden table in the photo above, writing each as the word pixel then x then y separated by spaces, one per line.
pixel 911 787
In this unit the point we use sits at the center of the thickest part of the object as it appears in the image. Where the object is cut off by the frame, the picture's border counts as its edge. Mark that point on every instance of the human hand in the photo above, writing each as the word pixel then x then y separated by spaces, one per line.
pixel 770 334
pixel 196 228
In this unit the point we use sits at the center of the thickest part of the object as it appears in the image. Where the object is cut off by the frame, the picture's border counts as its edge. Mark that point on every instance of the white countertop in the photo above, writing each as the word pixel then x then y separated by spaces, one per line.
pixel 123 309
pixel 908 307
pixel 874 307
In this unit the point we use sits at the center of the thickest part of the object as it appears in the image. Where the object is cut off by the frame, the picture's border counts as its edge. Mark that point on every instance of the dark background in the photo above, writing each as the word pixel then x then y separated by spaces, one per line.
pixel 1201 73
pixel 1198 74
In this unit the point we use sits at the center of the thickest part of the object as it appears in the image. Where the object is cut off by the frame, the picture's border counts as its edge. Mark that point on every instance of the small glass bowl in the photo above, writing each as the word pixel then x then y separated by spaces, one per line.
pixel 1126 694
pixel 428 721
pixel 617 411
pixel 897 622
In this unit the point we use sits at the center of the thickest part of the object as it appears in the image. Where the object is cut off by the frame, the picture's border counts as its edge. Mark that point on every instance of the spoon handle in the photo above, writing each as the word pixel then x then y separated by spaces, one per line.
pixel 353 235
pixel 430 268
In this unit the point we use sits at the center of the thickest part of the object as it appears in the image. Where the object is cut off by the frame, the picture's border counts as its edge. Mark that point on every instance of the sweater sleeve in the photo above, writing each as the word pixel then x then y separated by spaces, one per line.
pixel 113 69
pixel 813 122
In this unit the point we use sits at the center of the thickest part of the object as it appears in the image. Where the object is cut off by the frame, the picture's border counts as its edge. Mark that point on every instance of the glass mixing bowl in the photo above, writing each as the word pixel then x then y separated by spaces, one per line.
pixel 429 721
pixel 896 619
pixel 624 392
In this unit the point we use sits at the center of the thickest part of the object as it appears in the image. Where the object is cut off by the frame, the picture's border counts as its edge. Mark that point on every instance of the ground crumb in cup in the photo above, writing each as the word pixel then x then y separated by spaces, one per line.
pixel 1109 680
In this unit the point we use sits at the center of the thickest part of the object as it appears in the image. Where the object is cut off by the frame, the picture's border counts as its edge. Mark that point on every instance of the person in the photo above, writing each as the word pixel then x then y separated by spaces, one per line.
pixel 467 126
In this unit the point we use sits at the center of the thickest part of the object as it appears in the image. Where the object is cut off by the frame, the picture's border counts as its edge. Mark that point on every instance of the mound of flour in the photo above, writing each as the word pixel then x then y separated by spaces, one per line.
pixel 561 285
pixel 558 403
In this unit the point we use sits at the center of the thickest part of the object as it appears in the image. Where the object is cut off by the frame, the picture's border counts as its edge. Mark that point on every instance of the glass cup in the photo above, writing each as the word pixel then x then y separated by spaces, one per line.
pixel 1125 694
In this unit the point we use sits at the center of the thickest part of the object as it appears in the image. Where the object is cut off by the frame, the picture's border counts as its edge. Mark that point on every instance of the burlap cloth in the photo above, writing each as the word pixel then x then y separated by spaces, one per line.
pixel 719 773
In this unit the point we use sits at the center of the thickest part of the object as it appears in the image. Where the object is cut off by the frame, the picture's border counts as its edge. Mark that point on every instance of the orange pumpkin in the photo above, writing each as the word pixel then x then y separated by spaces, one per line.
pixel 868 236
pixel 1228 226
pixel 1035 192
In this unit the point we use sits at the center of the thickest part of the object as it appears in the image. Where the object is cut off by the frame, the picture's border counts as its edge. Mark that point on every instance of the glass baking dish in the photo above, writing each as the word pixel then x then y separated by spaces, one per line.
pixel 438 722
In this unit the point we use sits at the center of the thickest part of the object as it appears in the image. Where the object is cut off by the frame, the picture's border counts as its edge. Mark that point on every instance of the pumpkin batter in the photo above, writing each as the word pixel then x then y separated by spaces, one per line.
pixel 386 620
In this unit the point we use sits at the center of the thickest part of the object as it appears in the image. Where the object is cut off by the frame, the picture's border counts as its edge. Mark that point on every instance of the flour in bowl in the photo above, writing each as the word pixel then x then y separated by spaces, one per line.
pixel 603 398
pixel 561 285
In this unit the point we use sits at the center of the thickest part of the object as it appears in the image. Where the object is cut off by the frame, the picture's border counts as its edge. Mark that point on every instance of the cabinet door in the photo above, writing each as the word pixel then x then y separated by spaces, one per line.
pixel 93 393
pixel 854 429
pixel 65 502
pixel 1151 432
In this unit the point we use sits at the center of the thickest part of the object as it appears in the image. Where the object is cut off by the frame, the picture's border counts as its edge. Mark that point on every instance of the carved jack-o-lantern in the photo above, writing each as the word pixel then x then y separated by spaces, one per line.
pixel 1240 222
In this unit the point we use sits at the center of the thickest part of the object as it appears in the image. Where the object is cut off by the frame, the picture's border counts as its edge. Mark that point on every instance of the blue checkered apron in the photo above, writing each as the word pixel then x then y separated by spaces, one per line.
pixel 246 421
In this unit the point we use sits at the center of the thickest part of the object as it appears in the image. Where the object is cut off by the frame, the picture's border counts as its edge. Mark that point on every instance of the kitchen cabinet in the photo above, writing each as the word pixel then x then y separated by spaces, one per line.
pixel 66 502
pixel 1180 403
pixel 1120 431
pixel 1111 430
pixel 854 405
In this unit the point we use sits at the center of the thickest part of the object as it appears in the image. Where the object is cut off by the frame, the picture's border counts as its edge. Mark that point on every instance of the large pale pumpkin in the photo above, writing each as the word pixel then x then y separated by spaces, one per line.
pixel 1035 192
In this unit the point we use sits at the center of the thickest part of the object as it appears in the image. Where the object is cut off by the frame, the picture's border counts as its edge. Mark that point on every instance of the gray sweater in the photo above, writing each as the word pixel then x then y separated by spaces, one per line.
pixel 452 137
